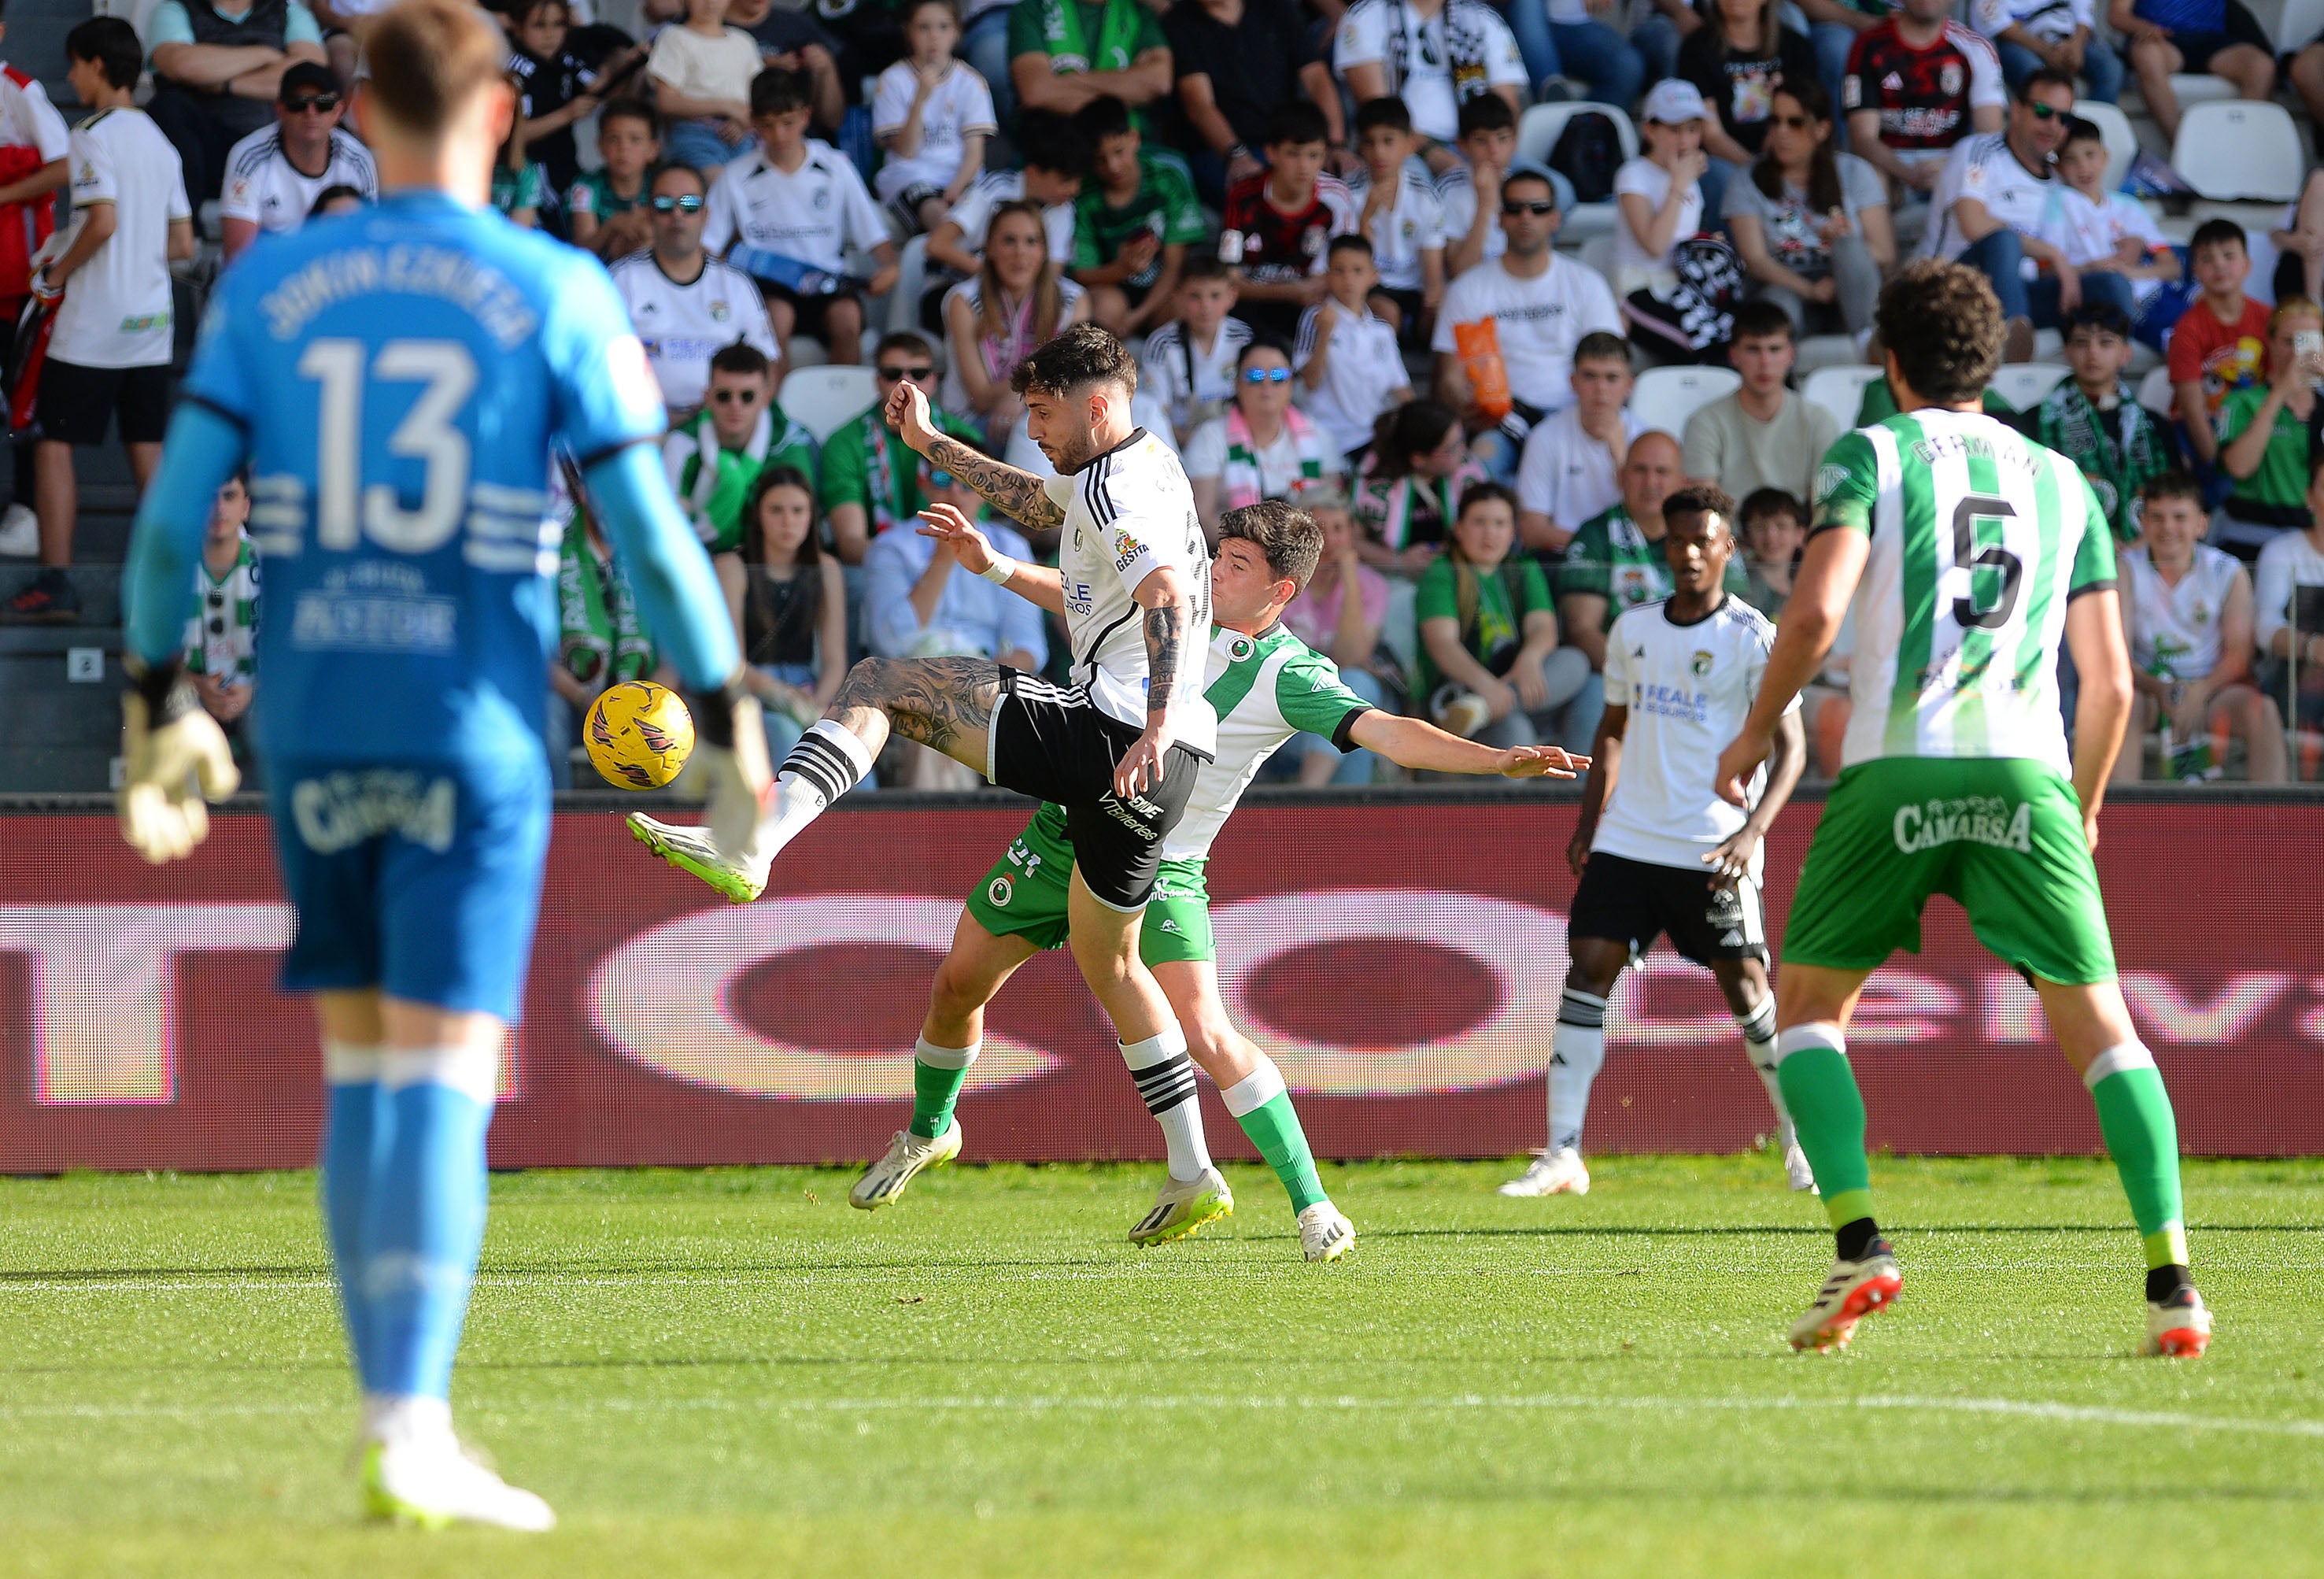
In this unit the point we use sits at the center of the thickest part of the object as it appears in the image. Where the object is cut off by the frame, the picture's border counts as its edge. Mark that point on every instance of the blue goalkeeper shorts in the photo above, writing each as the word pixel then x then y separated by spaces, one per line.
pixel 422 880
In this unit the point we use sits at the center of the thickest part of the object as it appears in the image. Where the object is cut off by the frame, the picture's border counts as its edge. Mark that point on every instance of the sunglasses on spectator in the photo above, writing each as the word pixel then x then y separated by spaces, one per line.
pixel 727 397
pixel 939 479
pixel 1791 123
pixel 688 204
pixel 2045 112
pixel 897 374
pixel 1513 206
pixel 321 103
pixel 1266 375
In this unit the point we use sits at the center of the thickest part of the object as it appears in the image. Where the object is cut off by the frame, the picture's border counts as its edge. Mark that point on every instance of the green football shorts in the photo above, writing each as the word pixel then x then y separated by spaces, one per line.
pixel 1024 896
pixel 2001 835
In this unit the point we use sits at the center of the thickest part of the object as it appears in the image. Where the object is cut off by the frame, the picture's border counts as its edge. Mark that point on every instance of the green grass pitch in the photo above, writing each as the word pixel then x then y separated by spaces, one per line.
pixel 731 1371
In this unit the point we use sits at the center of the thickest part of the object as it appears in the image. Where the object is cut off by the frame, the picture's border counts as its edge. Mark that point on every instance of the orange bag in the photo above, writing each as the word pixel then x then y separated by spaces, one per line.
pixel 1479 345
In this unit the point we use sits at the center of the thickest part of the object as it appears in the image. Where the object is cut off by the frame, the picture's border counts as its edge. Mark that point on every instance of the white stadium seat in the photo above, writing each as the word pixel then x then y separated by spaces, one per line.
pixel 2024 385
pixel 2156 392
pixel 823 400
pixel 1666 397
pixel 2240 152
pixel 1839 391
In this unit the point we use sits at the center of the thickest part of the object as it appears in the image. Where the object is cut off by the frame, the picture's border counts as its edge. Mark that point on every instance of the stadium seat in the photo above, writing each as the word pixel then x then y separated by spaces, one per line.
pixel 823 400
pixel 911 283
pixel 1824 351
pixel 1537 133
pixel 1666 397
pixel 2114 126
pixel 2155 393
pixel 2240 152
pixel 1598 255
pixel 2024 383
pixel 1839 391
pixel 2297 25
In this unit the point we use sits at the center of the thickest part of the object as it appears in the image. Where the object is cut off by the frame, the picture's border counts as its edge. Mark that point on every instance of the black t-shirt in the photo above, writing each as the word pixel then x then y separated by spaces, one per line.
pixel 1253 66
pixel 1741 86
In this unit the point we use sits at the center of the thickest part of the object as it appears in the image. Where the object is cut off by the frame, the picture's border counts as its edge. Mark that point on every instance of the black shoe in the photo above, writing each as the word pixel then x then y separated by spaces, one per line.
pixel 48 599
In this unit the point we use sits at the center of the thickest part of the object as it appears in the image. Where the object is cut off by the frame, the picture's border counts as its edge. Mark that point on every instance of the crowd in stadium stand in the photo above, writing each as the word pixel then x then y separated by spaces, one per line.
pixel 1347 265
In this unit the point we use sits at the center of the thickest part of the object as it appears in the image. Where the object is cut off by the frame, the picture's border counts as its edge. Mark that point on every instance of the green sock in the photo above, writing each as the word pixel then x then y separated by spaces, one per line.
pixel 1262 1105
pixel 1828 1110
pixel 937 1076
pixel 2143 1136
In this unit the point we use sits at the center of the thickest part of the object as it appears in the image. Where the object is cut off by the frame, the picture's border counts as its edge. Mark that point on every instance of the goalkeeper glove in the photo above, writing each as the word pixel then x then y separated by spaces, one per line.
pixel 168 746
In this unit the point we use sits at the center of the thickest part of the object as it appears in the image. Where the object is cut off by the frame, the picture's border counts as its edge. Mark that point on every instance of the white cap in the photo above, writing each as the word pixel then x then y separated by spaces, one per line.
pixel 1673 102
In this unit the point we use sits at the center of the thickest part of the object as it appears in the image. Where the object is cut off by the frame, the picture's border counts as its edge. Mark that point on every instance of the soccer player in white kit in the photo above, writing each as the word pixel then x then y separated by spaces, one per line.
pixel 1658 851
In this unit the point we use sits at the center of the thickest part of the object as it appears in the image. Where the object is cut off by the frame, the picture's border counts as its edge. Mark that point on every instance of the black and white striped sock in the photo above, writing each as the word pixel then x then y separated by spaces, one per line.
pixel 1166 1081
pixel 827 760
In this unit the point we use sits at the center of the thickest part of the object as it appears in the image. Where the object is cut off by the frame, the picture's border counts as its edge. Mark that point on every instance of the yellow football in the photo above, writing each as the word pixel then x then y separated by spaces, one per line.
pixel 639 735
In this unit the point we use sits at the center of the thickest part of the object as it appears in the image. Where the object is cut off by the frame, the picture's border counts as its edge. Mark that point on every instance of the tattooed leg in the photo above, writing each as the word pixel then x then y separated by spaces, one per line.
pixel 944 703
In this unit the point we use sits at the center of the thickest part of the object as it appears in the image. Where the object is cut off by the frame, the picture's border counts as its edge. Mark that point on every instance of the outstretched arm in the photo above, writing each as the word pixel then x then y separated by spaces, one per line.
pixel 1036 583
pixel 1417 744
pixel 1016 493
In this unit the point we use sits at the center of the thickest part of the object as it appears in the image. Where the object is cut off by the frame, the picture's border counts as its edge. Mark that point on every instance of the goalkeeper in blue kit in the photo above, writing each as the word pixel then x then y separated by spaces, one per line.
pixel 396 380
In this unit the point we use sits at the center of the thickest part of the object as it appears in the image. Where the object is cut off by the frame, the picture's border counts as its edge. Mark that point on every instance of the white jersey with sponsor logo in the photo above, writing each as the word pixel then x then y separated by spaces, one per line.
pixel 116 310
pixel 811 213
pixel 2174 631
pixel 1131 512
pixel 1984 167
pixel 1688 689
pixel 264 187
pixel 682 327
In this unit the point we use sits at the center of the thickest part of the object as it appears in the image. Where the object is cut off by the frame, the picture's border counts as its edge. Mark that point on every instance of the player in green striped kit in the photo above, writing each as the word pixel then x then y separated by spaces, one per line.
pixel 1968 553
pixel 1266 685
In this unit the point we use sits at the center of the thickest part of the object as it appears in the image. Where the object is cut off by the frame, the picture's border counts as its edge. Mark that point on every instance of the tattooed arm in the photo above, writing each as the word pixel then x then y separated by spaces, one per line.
pixel 1170 645
pixel 1015 493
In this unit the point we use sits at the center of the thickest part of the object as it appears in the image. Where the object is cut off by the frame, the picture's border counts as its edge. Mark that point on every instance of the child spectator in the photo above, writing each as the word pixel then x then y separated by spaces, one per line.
pixel 1340 614
pixel 1264 447
pixel 2263 434
pixel 1469 194
pixel 1346 354
pixel 2221 342
pixel 1774 531
pixel 1736 60
pixel 605 210
pixel 870 482
pixel 1573 458
pixel 2187 614
pixel 790 607
pixel 1811 224
pixel 2102 232
pixel 1056 164
pixel 111 339
pixel 1016 304
pixel 1279 221
pixel 792 206
pixel 1235 60
pixel 2095 420
pixel 703 72
pixel 1133 224
pixel 341 199
pixel 221 638
pixel 1190 362
pixel 553 88
pixel 1661 197
pixel 931 115
pixel 1764 435
pixel 1490 664
pixel 2162 38
pixel 1418 472
pixel 715 461
pixel 2288 601
pixel 1399 214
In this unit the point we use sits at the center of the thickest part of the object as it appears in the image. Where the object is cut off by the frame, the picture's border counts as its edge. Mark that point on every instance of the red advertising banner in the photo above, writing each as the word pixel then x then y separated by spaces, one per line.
pixel 1400 960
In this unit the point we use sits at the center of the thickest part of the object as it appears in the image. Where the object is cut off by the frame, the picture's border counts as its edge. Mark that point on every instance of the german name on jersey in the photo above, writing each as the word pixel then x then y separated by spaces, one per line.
pixel 402 375
pixel 1129 514
pixel 1978 539
pixel 1688 689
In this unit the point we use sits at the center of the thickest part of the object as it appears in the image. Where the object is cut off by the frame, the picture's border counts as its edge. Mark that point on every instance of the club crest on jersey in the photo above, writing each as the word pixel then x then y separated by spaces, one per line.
pixel 1701 665
pixel 1000 891
pixel 719 311
pixel 1949 79
pixel 1239 649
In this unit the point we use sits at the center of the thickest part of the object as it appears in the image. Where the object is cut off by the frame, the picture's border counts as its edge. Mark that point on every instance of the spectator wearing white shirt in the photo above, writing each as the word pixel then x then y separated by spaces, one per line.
pixel 1661 197
pixel 1574 460
pixel 1990 208
pixel 217 71
pixel 110 345
pixel 1263 448
pixel 1539 305
pixel 2061 35
pixel 789 209
pixel 1432 54
pixel 930 115
pixel 1764 435
pixel 1346 354
pixel 702 71
pixel 273 176
pixel 1399 212
pixel 1057 162
pixel 1189 363
pixel 2288 616
pixel 684 303
pixel 2103 232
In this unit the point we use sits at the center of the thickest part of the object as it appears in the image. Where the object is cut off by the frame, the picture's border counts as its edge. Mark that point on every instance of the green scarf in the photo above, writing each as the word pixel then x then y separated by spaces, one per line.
pixel 715 482
pixel 598 635
pixel 1068 41
pixel 2069 423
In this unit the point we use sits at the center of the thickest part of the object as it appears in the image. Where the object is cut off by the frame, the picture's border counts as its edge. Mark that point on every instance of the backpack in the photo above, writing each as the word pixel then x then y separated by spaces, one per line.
pixel 1588 153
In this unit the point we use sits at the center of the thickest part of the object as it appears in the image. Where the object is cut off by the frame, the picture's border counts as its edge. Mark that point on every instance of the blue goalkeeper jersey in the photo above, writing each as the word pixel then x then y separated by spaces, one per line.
pixel 400 377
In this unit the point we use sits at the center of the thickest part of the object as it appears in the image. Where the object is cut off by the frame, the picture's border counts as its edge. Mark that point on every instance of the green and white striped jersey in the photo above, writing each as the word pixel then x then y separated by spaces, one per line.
pixel 1265 688
pixel 1979 538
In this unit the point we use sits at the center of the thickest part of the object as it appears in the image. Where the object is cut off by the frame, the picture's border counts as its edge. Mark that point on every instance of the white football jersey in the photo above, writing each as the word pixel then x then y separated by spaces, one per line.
pixel 2174 631
pixel 116 310
pixel 264 187
pixel 811 213
pixel 682 327
pixel 1688 687
pixel 1129 512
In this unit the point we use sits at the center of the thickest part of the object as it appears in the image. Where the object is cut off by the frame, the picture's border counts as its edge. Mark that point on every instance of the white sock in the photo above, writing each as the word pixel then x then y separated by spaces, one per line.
pixel 1255 1090
pixel 827 763
pixel 404 1418
pixel 1166 1079
pixel 1758 1029
pixel 1576 1050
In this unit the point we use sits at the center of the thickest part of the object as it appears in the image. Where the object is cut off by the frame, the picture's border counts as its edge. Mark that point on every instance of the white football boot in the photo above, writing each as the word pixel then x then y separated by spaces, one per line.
pixel 426 1479
pixel 1552 1172
pixel 1854 1290
pixel 2179 1327
pixel 1324 1234
pixel 689 849
pixel 1182 1207
pixel 1795 1166
pixel 907 1153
